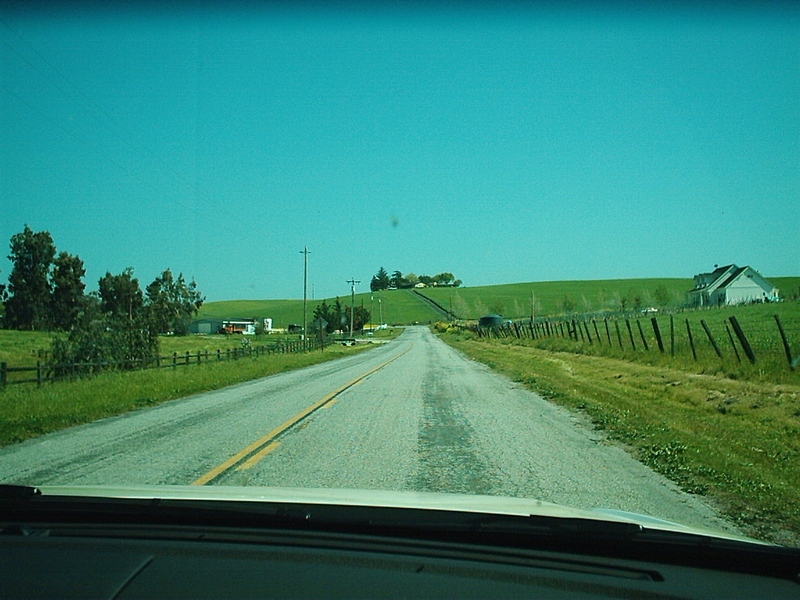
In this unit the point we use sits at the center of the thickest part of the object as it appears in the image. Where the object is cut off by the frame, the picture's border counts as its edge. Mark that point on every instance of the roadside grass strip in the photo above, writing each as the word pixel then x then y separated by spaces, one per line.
pixel 736 442
pixel 27 411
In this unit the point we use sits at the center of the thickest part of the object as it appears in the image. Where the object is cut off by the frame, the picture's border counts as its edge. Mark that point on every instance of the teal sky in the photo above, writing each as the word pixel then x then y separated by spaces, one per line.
pixel 500 142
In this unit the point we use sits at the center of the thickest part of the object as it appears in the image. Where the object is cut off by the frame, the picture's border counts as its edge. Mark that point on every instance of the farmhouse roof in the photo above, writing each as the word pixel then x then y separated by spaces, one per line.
pixel 722 277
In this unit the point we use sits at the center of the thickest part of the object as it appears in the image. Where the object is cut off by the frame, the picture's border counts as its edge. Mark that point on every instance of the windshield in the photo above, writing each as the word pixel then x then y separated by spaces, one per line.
pixel 521 250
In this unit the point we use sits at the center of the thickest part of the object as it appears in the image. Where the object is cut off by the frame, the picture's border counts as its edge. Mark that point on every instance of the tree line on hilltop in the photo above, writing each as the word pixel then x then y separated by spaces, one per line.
pixel 118 322
pixel 383 281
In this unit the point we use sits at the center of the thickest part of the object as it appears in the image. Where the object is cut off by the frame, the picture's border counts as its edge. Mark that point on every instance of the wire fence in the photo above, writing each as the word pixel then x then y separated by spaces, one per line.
pixel 667 335
pixel 44 372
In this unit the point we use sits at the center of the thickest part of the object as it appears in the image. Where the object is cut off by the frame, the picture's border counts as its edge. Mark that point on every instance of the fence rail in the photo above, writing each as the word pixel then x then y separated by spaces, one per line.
pixel 53 372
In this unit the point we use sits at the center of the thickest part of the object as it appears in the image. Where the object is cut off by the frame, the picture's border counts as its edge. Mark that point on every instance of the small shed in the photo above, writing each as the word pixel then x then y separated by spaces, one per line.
pixel 490 320
pixel 206 326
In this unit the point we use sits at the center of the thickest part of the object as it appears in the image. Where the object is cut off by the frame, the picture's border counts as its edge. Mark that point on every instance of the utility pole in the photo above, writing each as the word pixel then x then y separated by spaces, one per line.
pixel 352 283
pixel 305 252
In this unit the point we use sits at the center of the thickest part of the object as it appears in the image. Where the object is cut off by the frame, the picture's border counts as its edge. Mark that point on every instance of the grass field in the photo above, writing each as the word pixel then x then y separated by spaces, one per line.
pixel 399 307
pixel 514 300
pixel 24 348
pixel 757 322
pixel 735 441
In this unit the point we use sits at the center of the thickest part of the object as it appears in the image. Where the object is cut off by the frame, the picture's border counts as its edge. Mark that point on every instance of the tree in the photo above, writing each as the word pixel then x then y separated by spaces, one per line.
pixel 426 279
pixel 28 306
pixel 120 295
pixel 397 280
pixel 635 299
pixel 409 280
pixel 102 340
pixel 171 303
pixel 361 317
pixel 380 281
pixel 443 278
pixel 334 315
pixel 68 287
pixel 662 295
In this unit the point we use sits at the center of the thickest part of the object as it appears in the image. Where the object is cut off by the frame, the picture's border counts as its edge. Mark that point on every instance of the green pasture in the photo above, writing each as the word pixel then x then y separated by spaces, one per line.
pixel 513 300
pixel 757 322
pixel 22 348
pixel 398 307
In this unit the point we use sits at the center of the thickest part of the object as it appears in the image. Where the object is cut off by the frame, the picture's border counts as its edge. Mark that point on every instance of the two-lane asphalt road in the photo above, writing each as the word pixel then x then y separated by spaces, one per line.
pixel 413 414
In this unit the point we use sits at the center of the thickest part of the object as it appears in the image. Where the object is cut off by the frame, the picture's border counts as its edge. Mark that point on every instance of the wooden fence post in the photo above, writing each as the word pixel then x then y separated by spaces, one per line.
pixel 733 344
pixel 608 332
pixel 630 333
pixel 671 335
pixel 742 339
pixel 174 360
pixel 786 347
pixel 641 334
pixel 38 372
pixel 619 335
pixel 3 373
pixel 596 332
pixel 710 337
pixel 691 339
pixel 657 332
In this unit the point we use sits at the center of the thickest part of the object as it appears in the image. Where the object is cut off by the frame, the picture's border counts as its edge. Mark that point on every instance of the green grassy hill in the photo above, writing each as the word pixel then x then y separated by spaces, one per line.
pixel 549 297
pixel 511 300
pixel 397 307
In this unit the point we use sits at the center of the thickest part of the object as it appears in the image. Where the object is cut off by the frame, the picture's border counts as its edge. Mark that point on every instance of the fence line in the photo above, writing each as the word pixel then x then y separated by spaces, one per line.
pixel 54 372
pixel 577 330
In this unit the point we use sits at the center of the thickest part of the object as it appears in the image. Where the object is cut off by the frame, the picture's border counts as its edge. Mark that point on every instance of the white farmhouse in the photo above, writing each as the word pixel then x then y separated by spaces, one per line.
pixel 730 285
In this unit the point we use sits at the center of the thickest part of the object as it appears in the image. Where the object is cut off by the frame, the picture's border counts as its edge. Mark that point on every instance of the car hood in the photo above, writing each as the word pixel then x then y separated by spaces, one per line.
pixel 426 501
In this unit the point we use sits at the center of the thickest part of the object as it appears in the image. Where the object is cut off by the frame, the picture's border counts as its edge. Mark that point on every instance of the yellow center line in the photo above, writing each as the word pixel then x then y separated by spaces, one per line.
pixel 250 462
pixel 265 440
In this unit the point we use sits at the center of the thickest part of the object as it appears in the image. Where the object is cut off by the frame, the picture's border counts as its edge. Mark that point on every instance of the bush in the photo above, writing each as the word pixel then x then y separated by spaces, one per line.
pixel 440 327
pixel 105 342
